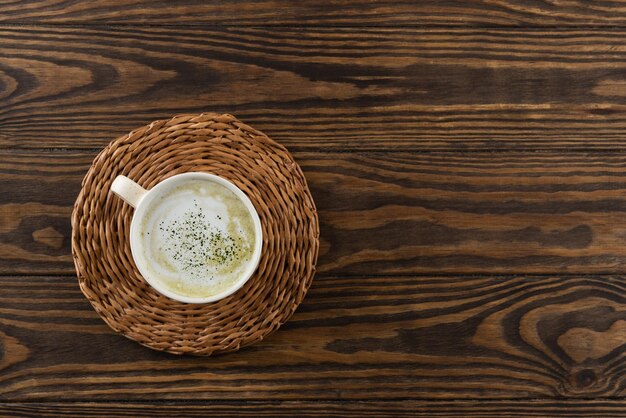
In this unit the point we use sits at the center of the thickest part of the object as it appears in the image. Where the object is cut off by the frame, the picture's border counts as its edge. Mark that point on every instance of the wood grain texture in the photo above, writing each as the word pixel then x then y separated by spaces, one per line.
pixel 316 12
pixel 384 213
pixel 360 338
pixel 332 88
pixel 340 409
pixel 468 163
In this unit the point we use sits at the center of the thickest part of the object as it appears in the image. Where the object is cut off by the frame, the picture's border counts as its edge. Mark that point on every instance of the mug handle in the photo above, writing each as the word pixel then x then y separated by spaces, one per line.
pixel 128 190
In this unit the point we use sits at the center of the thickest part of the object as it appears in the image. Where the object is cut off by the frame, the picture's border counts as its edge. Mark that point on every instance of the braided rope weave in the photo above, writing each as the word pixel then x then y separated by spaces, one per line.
pixel 218 144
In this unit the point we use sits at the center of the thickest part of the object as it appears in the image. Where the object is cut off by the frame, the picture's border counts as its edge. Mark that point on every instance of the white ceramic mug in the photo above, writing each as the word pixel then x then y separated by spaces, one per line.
pixel 139 198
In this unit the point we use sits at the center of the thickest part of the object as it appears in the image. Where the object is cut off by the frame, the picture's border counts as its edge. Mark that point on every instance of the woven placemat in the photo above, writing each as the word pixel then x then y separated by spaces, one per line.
pixel 218 144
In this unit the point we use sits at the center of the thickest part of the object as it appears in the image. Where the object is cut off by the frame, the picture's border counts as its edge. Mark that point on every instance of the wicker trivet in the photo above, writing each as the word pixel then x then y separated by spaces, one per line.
pixel 218 144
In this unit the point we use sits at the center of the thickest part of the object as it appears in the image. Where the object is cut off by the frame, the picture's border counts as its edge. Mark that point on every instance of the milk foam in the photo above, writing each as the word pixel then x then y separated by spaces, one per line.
pixel 197 239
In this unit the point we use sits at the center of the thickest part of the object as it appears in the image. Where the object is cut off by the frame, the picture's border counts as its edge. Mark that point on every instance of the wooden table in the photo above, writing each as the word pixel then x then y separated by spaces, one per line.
pixel 468 160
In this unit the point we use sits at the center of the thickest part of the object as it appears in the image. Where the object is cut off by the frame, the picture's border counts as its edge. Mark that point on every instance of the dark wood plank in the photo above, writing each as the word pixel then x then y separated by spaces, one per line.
pixel 384 213
pixel 340 409
pixel 438 89
pixel 367 338
pixel 316 12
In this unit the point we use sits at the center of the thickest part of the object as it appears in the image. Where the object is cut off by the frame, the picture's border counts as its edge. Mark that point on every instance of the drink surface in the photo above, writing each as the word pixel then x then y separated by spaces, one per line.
pixel 197 239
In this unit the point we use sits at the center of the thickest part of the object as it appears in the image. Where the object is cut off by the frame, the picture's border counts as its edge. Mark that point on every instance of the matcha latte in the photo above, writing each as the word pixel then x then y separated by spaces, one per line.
pixel 197 238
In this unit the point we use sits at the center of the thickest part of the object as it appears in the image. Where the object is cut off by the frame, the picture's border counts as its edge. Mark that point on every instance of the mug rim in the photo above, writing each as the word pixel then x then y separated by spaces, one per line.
pixel 156 191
